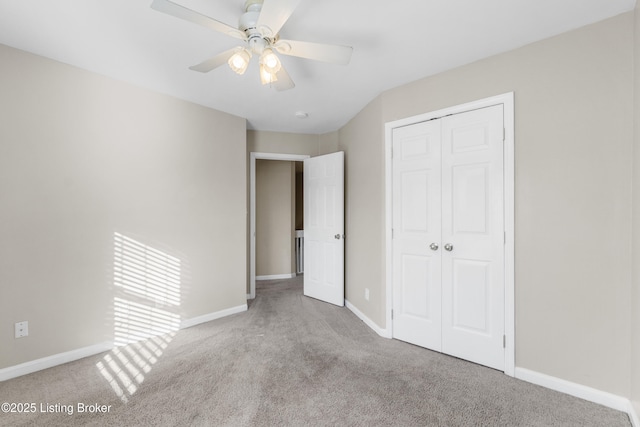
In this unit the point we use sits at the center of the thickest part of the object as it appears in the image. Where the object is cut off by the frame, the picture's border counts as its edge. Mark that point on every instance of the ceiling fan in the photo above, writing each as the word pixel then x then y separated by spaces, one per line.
pixel 259 28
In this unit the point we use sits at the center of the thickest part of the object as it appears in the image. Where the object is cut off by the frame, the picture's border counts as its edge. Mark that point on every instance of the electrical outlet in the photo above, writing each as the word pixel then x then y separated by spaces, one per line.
pixel 366 294
pixel 22 329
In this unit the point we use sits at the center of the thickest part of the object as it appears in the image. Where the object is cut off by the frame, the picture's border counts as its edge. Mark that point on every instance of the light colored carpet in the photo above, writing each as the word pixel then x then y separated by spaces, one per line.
pixel 290 360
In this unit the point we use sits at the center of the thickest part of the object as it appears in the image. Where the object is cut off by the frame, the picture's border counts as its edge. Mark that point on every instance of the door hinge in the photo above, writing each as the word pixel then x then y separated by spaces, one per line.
pixel 392 233
pixel 504 134
pixel 505 237
pixel 504 341
pixel 392 314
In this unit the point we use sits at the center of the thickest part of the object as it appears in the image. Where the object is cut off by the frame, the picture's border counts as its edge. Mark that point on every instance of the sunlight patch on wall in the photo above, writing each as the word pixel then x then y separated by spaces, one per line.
pixel 146 272
pixel 134 322
pixel 145 317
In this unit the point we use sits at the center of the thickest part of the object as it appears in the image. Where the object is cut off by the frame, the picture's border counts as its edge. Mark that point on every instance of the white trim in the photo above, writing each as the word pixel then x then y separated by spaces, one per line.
pixel 388 226
pixel 252 207
pixel 577 390
pixel 507 100
pixel 70 356
pixel 187 323
pixel 510 232
pixel 384 333
pixel 276 276
pixel 54 360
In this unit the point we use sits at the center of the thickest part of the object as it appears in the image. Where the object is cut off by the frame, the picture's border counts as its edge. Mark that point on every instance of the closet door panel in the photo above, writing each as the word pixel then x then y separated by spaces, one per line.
pixel 473 233
pixel 416 226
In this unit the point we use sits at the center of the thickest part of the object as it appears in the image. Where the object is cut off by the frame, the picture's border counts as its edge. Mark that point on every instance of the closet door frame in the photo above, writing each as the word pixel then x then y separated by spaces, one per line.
pixel 507 100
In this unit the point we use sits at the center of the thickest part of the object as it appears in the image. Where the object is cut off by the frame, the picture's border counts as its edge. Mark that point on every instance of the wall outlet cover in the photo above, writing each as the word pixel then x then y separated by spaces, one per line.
pixel 22 329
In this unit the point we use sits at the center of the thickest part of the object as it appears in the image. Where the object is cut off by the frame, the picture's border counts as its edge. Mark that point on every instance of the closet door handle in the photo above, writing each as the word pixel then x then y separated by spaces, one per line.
pixel 448 247
pixel 434 246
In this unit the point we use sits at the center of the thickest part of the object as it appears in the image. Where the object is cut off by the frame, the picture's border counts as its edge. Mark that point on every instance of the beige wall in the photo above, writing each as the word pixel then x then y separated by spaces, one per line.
pixel 291 143
pixel 574 130
pixel 282 143
pixel 83 157
pixel 299 197
pixel 362 140
pixel 635 308
pixel 328 143
pixel 275 209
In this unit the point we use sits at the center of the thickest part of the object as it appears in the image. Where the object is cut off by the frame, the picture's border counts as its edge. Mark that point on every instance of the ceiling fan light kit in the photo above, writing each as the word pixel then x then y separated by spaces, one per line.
pixel 239 61
pixel 267 78
pixel 259 28
pixel 270 61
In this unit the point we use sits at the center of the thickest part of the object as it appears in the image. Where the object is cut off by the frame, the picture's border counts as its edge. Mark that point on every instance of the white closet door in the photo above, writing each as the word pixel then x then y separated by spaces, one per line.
pixel 416 226
pixel 448 235
pixel 473 236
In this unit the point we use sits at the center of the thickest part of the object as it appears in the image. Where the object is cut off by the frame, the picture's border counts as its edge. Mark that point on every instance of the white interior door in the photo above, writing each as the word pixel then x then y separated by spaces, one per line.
pixel 323 180
pixel 416 234
pixel 473 236
pixel 448 235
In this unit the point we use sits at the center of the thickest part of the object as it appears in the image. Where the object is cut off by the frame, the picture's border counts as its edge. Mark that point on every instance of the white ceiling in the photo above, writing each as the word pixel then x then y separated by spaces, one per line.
pixel 395 42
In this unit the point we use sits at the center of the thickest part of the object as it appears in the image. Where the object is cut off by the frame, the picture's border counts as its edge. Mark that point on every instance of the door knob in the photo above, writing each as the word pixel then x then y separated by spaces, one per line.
pixel 448 247
pixel 337 236
pixel 434 246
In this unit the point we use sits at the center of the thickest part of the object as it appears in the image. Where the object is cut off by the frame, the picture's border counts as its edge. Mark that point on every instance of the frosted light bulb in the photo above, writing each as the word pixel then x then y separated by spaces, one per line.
pixel 238 61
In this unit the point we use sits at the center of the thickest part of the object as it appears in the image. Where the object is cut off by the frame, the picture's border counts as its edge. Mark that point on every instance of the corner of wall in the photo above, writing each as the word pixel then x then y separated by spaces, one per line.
pixel 362 140
pixel 328 143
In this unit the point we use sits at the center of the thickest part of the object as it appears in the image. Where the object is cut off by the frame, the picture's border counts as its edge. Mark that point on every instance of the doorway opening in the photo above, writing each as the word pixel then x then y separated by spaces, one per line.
pixel 254 157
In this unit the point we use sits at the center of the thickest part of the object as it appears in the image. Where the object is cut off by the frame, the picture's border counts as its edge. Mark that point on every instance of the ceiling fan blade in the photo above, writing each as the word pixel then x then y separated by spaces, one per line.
pixel 174 9
pixel 284 81
pixel 334 54
pixel 274 14
pixel 215 62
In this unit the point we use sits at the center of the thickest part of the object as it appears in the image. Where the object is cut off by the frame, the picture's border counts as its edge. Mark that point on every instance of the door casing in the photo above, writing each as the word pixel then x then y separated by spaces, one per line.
pixel 507 100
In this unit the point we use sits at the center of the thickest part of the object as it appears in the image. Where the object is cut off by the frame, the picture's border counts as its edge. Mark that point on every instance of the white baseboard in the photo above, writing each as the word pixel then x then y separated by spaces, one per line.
pixel 277 276
pixel 604 398
pixel 633 415
pixel 187 323
pixel 54 360
pixel 70 356
pixel 578 390
pixel 385 333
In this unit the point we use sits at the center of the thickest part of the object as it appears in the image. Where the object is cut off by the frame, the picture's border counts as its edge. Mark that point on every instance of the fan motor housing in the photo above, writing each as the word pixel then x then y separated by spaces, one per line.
pixel 249 19
pixel 249 24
